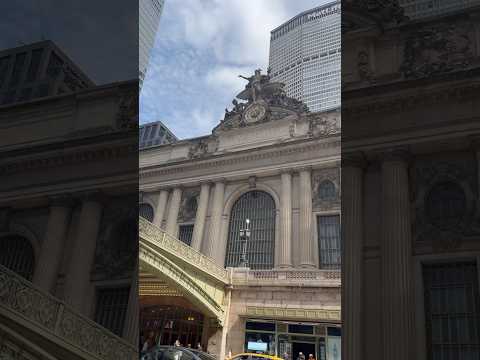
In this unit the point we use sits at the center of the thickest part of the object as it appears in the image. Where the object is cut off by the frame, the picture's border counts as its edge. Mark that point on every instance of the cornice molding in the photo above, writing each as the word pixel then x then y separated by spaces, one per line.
pixel 408 101
pixel 230 159
pixel 293 313
pixel 72 157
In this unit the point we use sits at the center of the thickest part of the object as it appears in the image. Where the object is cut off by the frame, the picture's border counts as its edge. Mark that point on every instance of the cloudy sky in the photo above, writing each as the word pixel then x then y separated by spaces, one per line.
pixel 101 37
pixel 201 48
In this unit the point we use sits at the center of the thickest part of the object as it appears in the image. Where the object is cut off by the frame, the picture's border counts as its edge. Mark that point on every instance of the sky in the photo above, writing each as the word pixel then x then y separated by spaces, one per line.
pixel 200 49
pixel 101 37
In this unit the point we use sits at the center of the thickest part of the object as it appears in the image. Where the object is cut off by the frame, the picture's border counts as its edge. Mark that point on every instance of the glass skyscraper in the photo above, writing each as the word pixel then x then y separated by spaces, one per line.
pixel 150 12
pixel 305 54
pixel 415 9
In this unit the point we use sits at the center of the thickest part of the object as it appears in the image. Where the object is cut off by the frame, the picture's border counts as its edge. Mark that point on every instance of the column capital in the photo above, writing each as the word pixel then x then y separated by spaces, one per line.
pixel 221 180
pixel 61 200
pixel 288 171
pixel 354 159
pixel 395 154
pixel 307 168
pixel 92 196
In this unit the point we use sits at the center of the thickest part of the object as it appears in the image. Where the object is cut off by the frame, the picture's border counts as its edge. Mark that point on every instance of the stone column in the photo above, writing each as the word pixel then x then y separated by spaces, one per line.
pixel 352 257
pixel 77 279
pixel 199 226
pixel 48 263
pixel 396 257
pixel 212 247
pixel 172 214
pixel 307 246
pixel 131 330
pixel 286 221
pixel 161 207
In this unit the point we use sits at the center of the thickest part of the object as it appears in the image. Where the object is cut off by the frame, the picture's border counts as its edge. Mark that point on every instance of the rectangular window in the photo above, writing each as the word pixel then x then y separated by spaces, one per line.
pixel 329 241
pixel 111 308
pixel 4 63
pixel 185 233
pixel 34 64
pixel 452 310
pixel 17 69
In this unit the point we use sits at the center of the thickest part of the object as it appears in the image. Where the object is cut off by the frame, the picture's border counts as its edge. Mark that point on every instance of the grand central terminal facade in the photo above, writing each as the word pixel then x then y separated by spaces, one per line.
pixel 240 231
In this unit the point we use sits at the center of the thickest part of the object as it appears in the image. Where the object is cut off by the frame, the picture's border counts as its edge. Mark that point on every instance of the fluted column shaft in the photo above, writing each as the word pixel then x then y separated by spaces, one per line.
pixel 173 210
pixel 307 248
pixel 131 330
pixel 396 253
pixel 212 248
pixel 199 226
pixel 46 271
pixel 161 207
pixel 352 226
pixel 78 274
pixel 286 221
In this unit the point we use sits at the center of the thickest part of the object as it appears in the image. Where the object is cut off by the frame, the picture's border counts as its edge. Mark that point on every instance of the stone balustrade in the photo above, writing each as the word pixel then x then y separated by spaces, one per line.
pixel 292 277
pixel 158 237
pixel 57 322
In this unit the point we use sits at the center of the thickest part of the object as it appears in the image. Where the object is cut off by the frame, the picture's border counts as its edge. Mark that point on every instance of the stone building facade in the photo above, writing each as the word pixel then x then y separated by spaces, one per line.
pixel 410 176
pixel 273 162
pixel 68 229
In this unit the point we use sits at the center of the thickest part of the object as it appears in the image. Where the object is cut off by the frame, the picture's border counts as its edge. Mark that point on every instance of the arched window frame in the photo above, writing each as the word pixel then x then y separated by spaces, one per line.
pixel 324 186
pixel 145 204
pixel 233 200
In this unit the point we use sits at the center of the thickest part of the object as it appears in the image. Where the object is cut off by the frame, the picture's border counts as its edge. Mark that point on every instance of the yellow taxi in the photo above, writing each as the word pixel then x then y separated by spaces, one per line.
pixel 253 356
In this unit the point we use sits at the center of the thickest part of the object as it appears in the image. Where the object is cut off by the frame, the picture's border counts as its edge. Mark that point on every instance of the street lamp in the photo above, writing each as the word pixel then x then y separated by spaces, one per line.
pixel 245 236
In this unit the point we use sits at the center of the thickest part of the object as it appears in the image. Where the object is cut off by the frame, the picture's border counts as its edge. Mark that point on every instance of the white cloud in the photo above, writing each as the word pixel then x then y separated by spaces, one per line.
pixel 201 48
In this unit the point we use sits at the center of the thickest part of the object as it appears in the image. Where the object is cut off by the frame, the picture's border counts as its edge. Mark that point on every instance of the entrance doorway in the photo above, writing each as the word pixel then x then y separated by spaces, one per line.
pixel 305 348
pixel 169 323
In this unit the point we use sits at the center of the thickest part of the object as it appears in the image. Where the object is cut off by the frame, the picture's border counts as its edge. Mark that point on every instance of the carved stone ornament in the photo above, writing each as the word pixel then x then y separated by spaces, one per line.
pixel 263 101
pixel 437 49
pixel 188 207
pixel 127 116
pixel 116 244
pixel 324 125
pixel 364 68
pixel 198 149
pixel 319 177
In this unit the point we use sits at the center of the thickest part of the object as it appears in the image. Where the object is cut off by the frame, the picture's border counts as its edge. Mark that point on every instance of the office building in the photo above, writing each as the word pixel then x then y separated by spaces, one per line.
pixel 155 133
pixel 149 13
pixel 38 70
pixel 415 9
pixel 305 56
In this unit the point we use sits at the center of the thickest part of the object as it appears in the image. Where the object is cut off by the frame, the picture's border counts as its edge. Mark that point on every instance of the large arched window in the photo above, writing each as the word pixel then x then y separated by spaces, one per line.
pixel 259 208
pixel 146 211
pixel 16 254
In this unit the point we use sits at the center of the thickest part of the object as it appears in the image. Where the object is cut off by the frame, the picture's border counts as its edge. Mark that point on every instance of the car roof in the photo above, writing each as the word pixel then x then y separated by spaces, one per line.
pixel 255 354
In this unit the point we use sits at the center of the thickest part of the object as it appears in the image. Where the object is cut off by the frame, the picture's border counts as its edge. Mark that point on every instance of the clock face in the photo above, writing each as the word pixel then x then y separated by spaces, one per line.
pixel 255 113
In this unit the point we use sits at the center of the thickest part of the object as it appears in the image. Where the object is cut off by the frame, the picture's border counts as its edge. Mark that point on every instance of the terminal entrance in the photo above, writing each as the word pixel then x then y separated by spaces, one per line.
pixel 169 323
pixel 287 339
pixel 305 348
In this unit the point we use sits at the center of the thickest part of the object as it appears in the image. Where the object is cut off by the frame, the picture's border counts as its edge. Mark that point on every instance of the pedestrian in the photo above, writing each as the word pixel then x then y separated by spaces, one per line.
pixel 301 356
pixel 177 343
pixel 311 357
pixel 149 342
pixel 286 356
pixel 199 347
